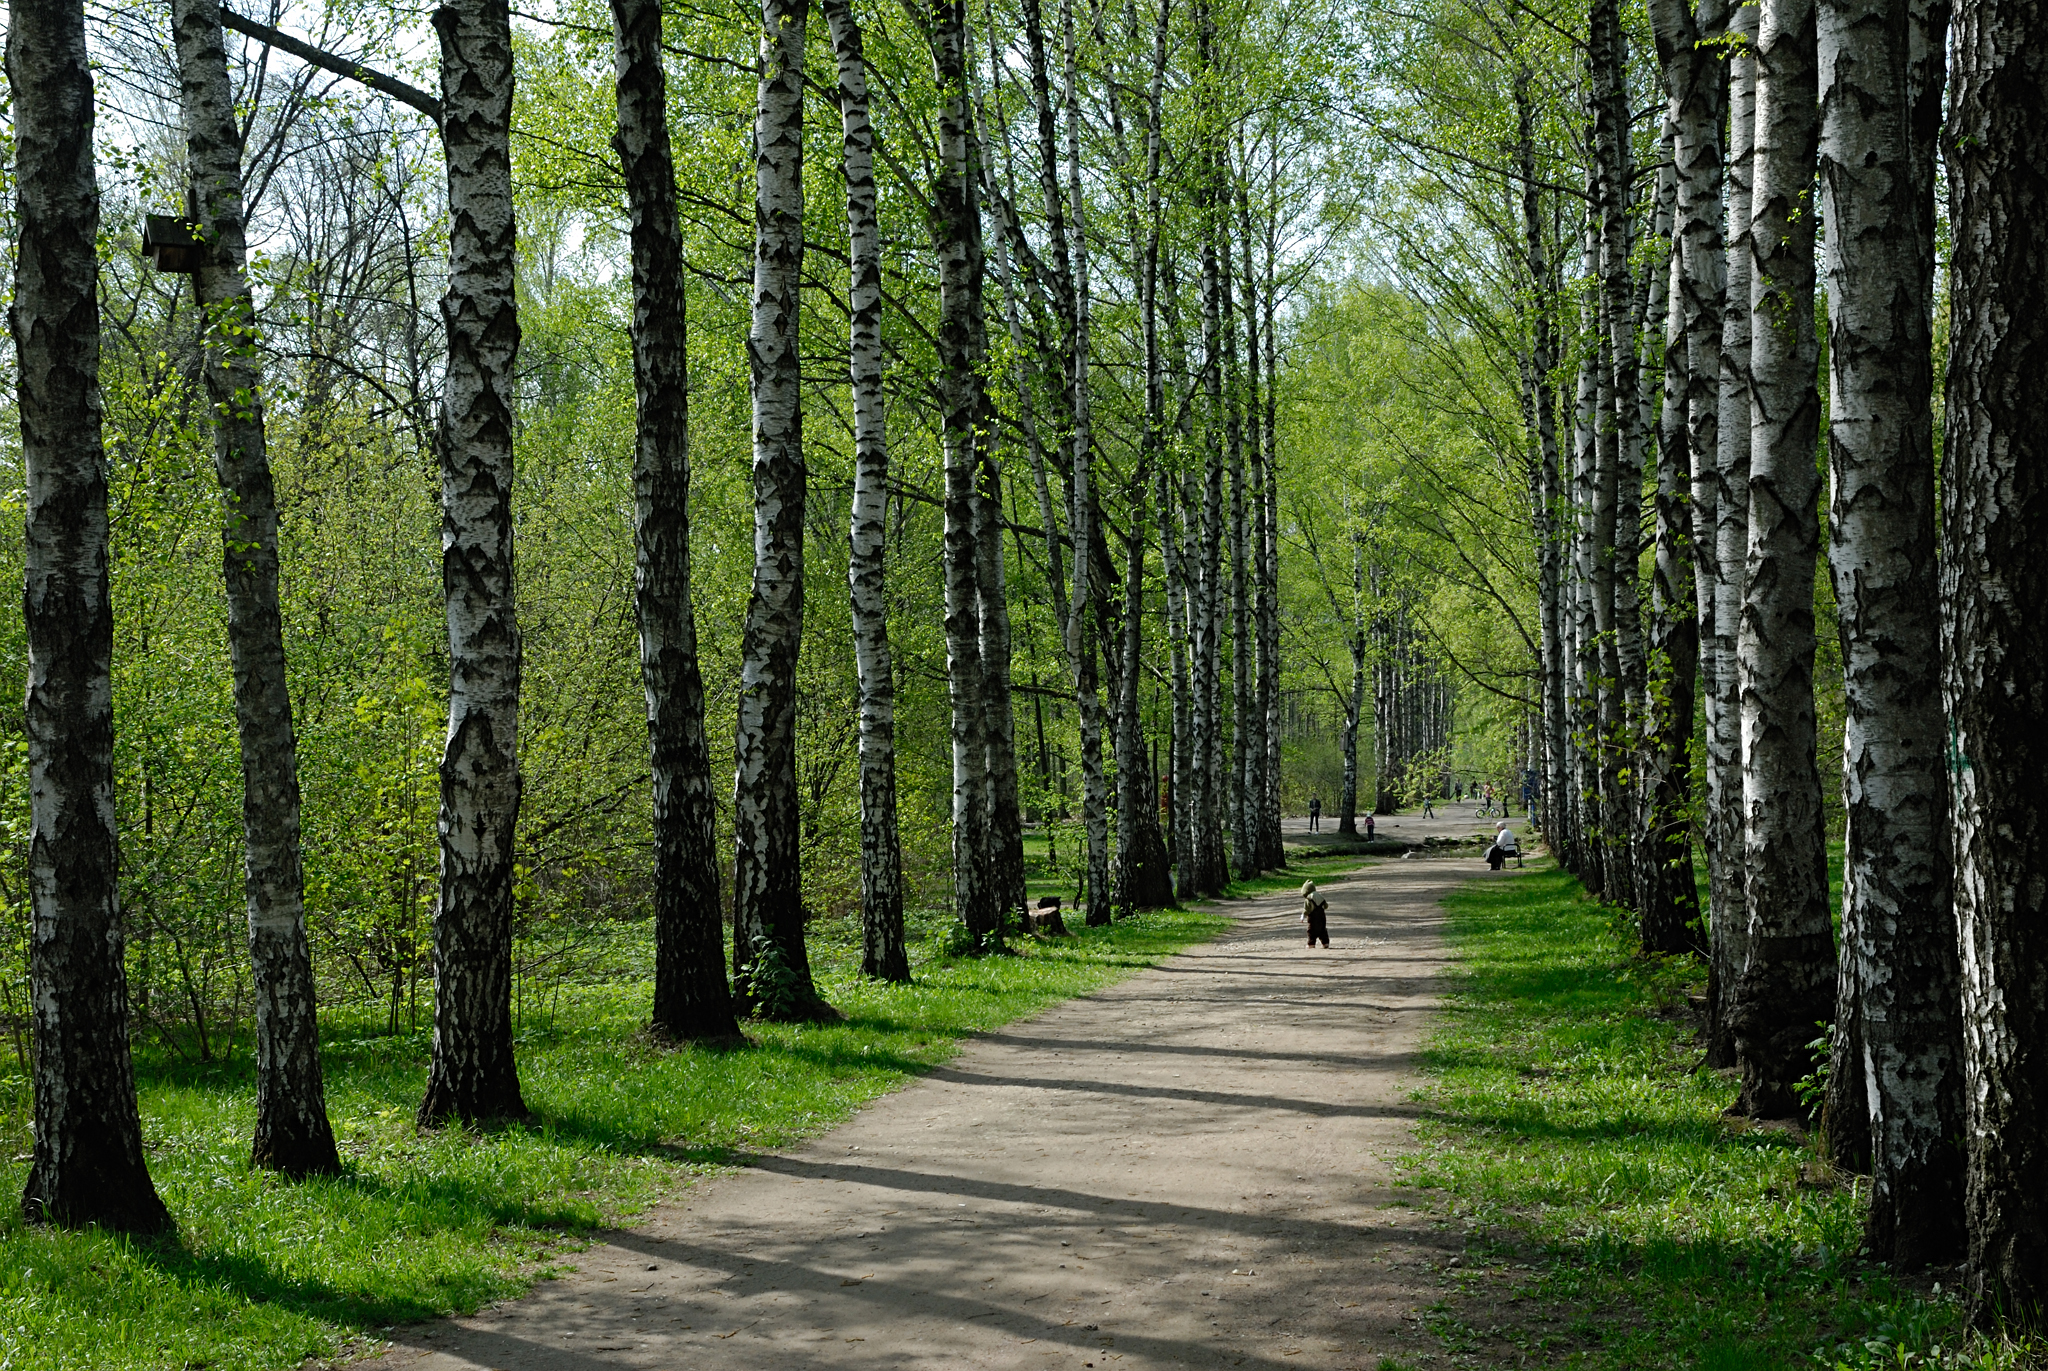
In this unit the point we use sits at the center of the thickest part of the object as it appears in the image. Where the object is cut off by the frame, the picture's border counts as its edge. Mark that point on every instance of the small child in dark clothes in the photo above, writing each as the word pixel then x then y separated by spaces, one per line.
pixel 1315 912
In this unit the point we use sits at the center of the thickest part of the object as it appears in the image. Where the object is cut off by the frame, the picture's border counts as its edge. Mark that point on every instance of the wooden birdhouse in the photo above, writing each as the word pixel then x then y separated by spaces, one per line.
pixel 170 244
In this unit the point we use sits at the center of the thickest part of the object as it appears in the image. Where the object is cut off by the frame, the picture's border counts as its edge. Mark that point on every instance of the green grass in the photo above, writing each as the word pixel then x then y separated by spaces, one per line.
pixel 1614 1218
pixel 265 1273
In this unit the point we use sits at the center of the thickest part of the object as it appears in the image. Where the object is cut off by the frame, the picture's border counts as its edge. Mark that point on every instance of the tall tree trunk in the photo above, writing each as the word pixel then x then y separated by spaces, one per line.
pixel 473 1076
pixel 1695 77
pixel 1236 789
pixel 1727 874
pixel 1005 812
pixel 1665 903
pixel 292 1132
pixel 1788 983
pixel 87 1164
pixel 1081 646
pixel 1994 579
pixel 957 238
pixel 1588 555
pixel 1880 108
pixel 767 895
pixel 1252 705
pixel 1144 876
pixel 1540 419
pixel 883 951
pixel 1269 552
pixel 1621 454
pixel 1354 710
pixel 691 998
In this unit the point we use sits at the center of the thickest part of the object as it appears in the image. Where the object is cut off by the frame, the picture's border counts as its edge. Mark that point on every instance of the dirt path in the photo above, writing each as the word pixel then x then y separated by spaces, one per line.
pixel 1191 1168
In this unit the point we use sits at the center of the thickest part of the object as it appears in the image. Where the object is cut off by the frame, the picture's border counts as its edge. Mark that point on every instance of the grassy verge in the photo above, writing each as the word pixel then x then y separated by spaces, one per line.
pixel 264 1274
pixel 1615 1220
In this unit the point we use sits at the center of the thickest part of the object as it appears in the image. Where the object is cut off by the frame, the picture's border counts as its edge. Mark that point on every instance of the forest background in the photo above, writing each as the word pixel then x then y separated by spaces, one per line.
pixel 1393 432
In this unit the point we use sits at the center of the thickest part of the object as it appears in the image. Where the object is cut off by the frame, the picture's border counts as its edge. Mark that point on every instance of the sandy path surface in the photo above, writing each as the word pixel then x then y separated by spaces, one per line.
pixel 1192 1168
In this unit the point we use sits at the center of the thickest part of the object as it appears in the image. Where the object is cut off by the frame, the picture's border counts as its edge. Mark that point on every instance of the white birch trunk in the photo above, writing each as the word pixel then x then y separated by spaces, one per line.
pixel 1788 982
pixel 292 1133
pixel 87 1164
pixel 473 1076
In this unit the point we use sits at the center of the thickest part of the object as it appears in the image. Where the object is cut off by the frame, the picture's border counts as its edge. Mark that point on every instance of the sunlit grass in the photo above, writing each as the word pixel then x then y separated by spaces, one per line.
pixel 265 1273
pixel 1573 1128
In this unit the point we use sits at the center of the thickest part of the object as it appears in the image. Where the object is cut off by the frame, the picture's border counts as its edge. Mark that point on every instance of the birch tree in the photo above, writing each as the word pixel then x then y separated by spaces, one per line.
pixel 1898 1012
pixel 768 911
pixel 86 1162
pixel 883 953
pixel 1787 984
pixel 691 998
pixel 292 1133
pixel 1994 575
pixel 473 1076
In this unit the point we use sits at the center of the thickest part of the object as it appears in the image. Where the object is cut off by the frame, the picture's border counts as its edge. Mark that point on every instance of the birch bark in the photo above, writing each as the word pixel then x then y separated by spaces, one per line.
pixel 473 1076
pixel 691 998
pixel 1787 985
pixel 1586 557
pixel 767 900
pixel 1666 904
pixel 292 1133
pixel 1097 893
pixel 86 1159
pixel 1994 578
pixel 1898 957
pixel 1727 871
pixel 956 223
pixel 884 954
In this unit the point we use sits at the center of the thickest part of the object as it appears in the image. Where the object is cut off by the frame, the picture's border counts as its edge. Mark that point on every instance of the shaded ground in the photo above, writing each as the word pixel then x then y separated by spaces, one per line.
pixel 1192 1168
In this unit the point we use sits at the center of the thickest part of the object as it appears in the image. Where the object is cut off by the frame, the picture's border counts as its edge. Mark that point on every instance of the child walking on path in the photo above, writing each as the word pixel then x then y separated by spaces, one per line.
pixel 1315 913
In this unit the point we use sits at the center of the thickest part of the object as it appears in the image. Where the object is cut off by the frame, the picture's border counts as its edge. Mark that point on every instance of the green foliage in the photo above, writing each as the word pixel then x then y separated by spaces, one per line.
pixel 265 1273
pixel 1570 1129
pixel 776 989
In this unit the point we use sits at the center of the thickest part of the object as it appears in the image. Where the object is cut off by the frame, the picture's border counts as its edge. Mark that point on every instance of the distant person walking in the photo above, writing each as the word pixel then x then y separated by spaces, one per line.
pixel 1315 912
pixel 1368 825
pixel 1428 809
pixel 1315 813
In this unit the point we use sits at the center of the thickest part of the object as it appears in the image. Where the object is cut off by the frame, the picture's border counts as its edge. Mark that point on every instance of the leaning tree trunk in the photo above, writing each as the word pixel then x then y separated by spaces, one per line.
pixel 1994 580
pixel 473 1076
pixel 292 1132
pixel 1898 963
pixel 1788 983
pixel 883 951
pixel 86 1159
pixel 767 895
pixel 691 998
pixel 1727 878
